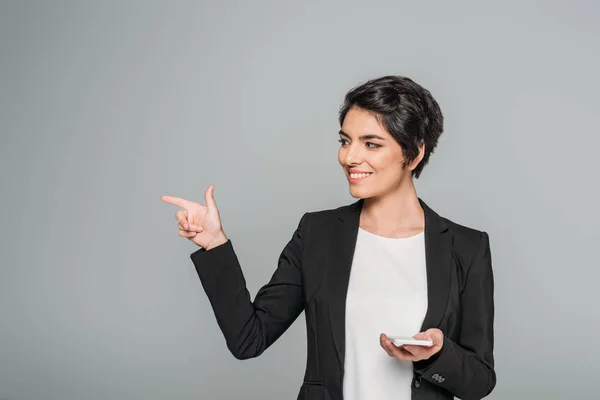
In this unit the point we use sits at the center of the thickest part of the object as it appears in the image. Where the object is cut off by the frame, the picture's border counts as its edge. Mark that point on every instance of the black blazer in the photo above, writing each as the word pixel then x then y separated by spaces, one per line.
pixel 312 276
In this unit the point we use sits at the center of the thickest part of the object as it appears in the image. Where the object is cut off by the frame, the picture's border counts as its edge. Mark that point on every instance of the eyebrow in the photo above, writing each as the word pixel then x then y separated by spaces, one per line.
pixel 363 137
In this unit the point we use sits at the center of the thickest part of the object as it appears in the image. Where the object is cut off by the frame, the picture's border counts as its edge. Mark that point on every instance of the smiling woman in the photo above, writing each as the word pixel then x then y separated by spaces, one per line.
pixel 385 264
pixel 390 126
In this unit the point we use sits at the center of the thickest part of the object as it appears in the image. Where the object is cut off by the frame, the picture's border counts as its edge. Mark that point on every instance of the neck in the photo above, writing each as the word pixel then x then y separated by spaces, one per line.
pixel 394 210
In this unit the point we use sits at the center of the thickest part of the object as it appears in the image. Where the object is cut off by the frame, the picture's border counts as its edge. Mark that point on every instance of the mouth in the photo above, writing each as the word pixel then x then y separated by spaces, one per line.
pixel 358 177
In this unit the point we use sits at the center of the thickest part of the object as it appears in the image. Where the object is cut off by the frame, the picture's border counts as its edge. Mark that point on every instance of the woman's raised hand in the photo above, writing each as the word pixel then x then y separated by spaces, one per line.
pixel 200 224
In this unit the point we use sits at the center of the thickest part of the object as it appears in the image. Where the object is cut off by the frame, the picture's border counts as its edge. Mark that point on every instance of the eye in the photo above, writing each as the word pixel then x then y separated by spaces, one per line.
pixel 373 145
pixel 343 141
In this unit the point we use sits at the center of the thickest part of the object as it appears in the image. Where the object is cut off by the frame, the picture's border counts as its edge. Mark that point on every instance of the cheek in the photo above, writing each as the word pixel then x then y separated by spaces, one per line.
pixel 382 163
pixel 388 169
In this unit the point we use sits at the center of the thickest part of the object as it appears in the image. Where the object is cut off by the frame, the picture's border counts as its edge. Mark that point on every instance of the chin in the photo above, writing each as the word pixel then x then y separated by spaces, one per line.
pixel 360 193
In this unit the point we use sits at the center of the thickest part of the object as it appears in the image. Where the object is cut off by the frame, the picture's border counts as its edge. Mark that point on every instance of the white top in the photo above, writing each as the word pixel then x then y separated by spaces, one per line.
pixel 387 293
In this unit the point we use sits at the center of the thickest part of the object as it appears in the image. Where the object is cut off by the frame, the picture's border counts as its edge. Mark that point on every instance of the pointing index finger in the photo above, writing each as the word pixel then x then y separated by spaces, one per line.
pixel 178 201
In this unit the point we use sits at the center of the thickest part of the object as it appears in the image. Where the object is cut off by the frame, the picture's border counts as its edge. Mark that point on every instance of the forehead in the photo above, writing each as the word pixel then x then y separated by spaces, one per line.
pixel 360 122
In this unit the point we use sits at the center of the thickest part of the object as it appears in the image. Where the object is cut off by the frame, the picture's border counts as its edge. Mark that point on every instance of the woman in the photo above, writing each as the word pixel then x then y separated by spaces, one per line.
pixel 385 265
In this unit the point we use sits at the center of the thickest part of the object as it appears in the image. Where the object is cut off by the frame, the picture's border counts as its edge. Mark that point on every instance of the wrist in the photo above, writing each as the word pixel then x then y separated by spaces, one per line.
pixel 220 239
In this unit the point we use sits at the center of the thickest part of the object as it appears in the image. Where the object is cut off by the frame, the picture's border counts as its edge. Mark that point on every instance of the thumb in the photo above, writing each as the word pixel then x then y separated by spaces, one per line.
pixel 210 198
pixel 435 335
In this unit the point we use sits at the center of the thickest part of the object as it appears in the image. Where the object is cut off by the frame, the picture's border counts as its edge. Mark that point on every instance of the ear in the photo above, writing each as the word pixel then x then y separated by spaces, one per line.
pixel 417 160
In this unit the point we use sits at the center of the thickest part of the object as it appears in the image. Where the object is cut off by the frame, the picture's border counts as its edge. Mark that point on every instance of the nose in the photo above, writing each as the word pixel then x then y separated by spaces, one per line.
pixel 353 155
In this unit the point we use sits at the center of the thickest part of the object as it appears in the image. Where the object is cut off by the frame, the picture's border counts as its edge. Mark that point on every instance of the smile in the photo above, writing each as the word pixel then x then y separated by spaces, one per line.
pixel 357 178
pixel 360 176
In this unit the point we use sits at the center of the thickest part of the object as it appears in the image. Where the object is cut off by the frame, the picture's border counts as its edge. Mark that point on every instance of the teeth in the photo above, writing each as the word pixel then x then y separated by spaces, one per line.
pixel 359 176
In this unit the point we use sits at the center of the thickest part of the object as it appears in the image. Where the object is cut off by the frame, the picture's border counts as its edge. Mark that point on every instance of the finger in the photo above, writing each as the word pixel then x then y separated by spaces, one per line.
pixel 384 345
pixel 191 228
pixel 416 351
pixel 398 352
pixel 401 353
pixel 184 224
pixel 435 335
pixel 186 234
pixel 393 350
pixel 422 352
pixel 209 197
pixel 424 336
pixel 181 216
pixel 178 201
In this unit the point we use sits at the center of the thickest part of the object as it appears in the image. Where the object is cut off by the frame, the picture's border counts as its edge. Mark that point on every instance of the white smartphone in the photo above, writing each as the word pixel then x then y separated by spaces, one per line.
pixel 402 340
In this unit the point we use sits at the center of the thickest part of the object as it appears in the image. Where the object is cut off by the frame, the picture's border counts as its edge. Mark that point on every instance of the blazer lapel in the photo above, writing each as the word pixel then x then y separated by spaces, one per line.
pixel 438 258
pixel 341 253
pixel 438 248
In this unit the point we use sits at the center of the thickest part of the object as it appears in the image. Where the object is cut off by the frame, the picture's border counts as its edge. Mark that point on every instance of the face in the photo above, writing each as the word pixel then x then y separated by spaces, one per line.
pixel 371 157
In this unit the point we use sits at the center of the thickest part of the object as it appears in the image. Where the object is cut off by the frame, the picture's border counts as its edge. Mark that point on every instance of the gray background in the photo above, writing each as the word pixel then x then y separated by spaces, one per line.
pixel 106 106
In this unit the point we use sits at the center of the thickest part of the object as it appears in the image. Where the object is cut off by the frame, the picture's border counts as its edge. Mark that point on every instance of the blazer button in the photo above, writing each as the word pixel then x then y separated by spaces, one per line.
pixel 417 382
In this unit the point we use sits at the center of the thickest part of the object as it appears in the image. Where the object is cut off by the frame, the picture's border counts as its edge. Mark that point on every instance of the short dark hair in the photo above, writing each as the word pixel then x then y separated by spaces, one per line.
pixel 405 109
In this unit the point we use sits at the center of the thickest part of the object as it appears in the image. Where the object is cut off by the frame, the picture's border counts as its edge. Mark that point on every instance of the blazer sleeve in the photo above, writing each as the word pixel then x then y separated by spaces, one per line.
pixel 250 327
pixel 466 367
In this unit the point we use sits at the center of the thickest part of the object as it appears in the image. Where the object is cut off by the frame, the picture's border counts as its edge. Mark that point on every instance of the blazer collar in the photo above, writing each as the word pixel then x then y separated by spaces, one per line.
pixel 438 256
pixel 351 215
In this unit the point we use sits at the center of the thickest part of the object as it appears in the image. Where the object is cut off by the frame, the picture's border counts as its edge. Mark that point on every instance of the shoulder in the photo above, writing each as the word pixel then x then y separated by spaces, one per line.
pixel 328 213
pixel 465 233
pixel 326 216
pixel 468 243
pixel 320 223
